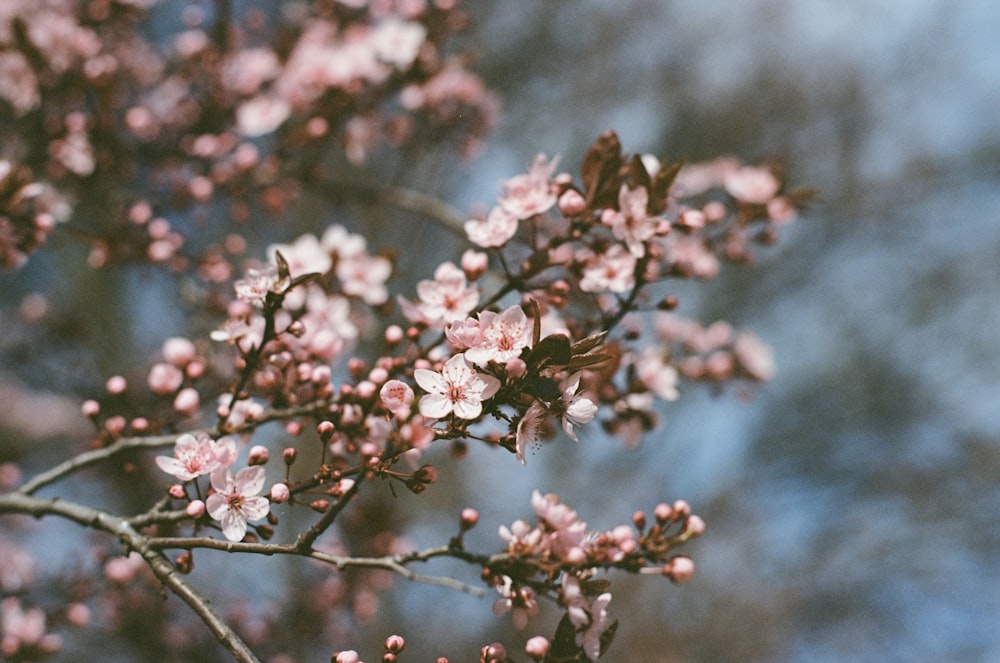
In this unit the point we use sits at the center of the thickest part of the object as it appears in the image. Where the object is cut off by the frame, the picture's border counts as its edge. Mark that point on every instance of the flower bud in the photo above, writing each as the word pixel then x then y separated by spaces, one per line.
pixel 537 647
pixel 394 644
pixel 288 455
pixel 468 519
pixel 280 493
pixel 195 509
pixel 116 384
pixel 259 455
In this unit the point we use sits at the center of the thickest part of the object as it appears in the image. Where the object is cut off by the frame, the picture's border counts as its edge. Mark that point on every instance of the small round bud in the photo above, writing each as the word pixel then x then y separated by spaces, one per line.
pixel 469 518
pixel 378 375
pixel 537 647
pixel 474 263
pixel 319 505
pixel 288 455
pixel 571 203
pixel 349 656
pixel 176 491
pixel 90 408
pixel 185 562
pixel 280 493
pixel 679 569
pixel 116 384
pixel 394 334
pixel 195 509
pixel 394 644
pixel 494 653
pixel 426 474
pixel 695 526
pixel 681 509
pixel 259 455
pixel 187 401
pixel 639 520
pixel 325 430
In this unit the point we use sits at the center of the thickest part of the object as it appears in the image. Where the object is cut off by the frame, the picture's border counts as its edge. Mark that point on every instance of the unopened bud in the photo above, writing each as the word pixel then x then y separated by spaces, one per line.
pixel 259 455
pixel 195 509
pixel 537 647
pixel 679 569
pixel 394 644
pixel 289 455
pixel 185 562
pixel 469 518
pixel 280 493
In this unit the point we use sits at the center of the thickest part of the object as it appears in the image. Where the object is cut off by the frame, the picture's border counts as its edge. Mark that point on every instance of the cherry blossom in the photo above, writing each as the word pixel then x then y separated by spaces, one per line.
pixel 495 230
pixel 578 410
pixel 520 602
pixel 529 430
pixel 194 457
pixel 457 388
pixel 529 194
pixel 444 300
pixel 504 335
pixel 631 224
pixel 237 500
pixel 613 270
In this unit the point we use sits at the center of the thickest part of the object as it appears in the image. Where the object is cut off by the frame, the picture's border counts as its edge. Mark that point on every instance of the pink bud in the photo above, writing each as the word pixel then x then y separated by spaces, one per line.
pixel 537 647
pixel 164 379
pixel 90 408
pixel 394 644
pixel 695 526
pixel 178 351
pixel 378 375
pixel 280 493
pixel 663 512
pixel 349 656
pixel 288 455
pixel 259 455
pixel 469 518
pixel 571 203
pixel 195 509
pixel 474 263
pixel 393 334
pixel 176 491
pixel 187 401
pixel 116 384
pixel 516 367
pixel 679 569
pixel 366 389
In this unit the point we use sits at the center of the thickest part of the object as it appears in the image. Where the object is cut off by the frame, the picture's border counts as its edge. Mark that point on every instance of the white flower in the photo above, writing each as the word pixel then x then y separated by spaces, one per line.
pixel 457 388
pixel 579 409
pixel 237 500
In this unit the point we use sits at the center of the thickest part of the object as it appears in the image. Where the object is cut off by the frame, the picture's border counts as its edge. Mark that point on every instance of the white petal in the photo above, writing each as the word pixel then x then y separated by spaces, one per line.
pixel 435 406
pixel 234 526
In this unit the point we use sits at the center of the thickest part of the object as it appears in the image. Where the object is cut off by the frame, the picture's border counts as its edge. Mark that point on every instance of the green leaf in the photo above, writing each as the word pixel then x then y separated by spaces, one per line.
pixel 582 361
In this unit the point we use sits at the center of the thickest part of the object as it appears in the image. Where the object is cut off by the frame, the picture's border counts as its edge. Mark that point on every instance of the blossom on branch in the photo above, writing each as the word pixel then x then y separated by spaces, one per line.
pixel 457 388
pixel 194 457
pixel 237 500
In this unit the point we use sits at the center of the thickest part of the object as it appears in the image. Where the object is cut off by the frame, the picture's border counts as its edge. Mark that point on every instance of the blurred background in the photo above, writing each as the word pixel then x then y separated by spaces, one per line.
pixel 852 503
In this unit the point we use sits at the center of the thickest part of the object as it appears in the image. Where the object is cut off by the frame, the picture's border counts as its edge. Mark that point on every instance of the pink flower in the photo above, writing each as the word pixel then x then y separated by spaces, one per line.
pixel 752 185
pixel 304 256
pixel 457 388
pixel 631 224
pixel 237 500
pixel 253 288
pixel 396 396
pixel 579 410
pixel 445 299
pixel 504 336
pixel 520 602
pixel 590 619
pixel 495 230
pixel 531 193
pixel 529 430
pixel 565 529
pixel 613 270
pixel 658 376
pixel 194 457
